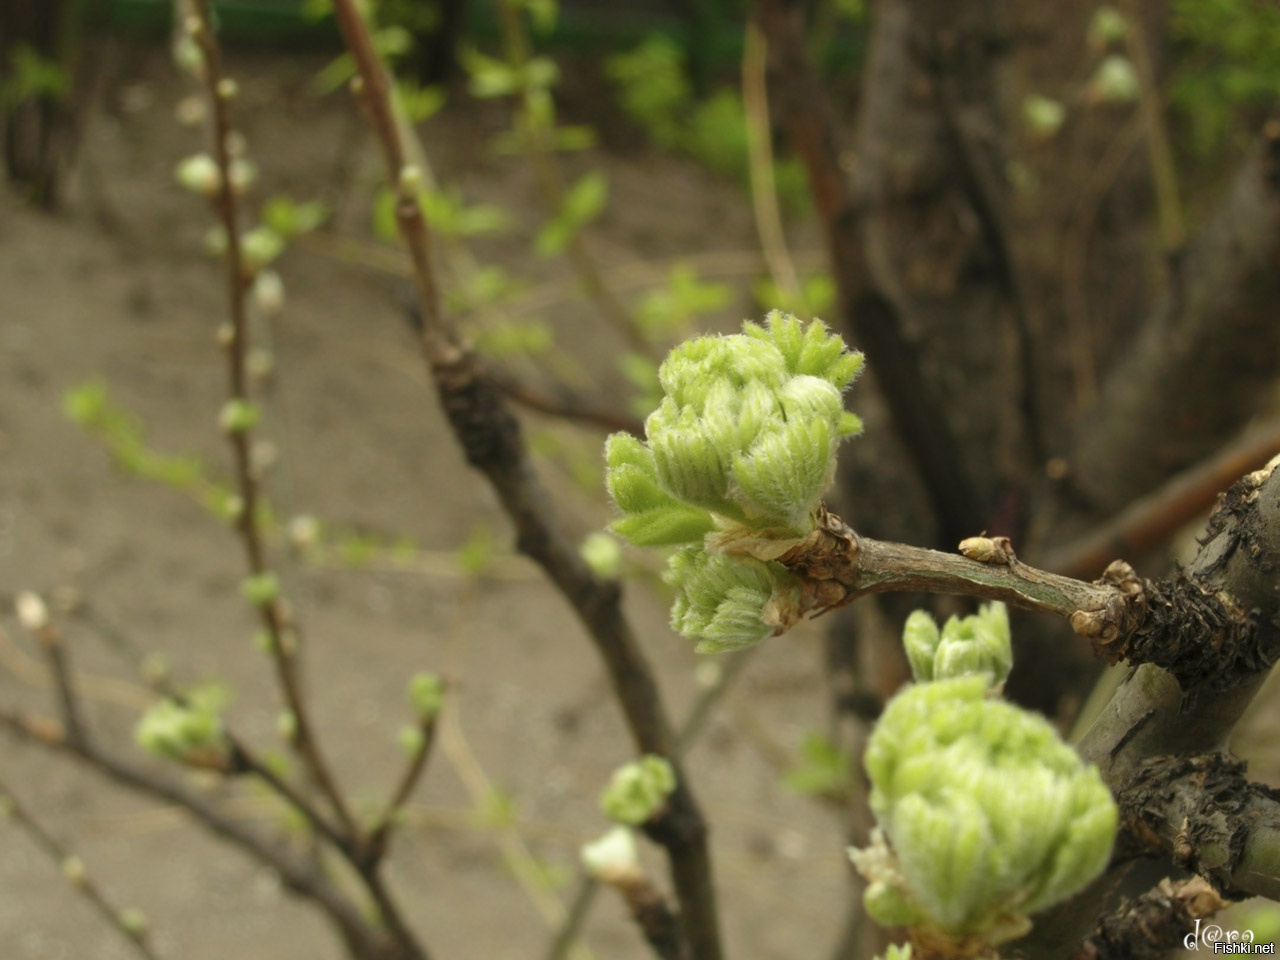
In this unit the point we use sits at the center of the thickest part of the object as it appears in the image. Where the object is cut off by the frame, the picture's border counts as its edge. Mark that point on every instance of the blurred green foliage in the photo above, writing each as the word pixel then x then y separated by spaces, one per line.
pixel 1228 59
pixel 655 90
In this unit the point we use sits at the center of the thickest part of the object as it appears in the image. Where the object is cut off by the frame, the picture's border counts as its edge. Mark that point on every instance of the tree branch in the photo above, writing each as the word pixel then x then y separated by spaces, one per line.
pixel 1210 818
pixel 301 877
pixel 1154 714
pixel 490 438
pixel 1157 922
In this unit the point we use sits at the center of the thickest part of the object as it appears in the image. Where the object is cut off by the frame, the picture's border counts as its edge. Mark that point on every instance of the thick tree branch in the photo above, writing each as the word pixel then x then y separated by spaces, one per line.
pixel 490 437
pixel 1154 714
pixel 1154 924
pixel 1205 813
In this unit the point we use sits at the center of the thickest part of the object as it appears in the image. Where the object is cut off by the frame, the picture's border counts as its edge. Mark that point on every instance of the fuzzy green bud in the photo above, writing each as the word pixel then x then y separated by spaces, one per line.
pixel 737 457
pixel 977 644
pixel 188 734
pixel 728 602
pixel 638 791
pixel 426 694
pixel 987 814
pixel 747 429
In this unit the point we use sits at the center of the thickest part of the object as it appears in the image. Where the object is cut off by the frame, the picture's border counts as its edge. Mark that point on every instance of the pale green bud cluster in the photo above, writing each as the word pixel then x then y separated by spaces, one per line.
pixel 985 815
pixel 637 791
pixel 190 734
pixel 744 439
pixel 727 602
pixel 976 644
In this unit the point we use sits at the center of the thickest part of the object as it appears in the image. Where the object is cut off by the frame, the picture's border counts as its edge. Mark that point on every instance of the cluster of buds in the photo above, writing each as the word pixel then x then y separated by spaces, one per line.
pixel 741 449
pixel 984 814
pixel 980 643
pixel 191 734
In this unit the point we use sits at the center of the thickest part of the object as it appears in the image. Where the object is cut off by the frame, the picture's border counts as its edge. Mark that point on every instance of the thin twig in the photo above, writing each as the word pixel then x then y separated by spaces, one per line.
pixel 694 724
pixel 281 632
pixel 299 876
pixel 490 437
pixel 764 196
pixel 409 777
pixel 33 614
pixel 1164 174
pixel 1152 520
pixel 75 874
pixel 567 408
pixel 551 182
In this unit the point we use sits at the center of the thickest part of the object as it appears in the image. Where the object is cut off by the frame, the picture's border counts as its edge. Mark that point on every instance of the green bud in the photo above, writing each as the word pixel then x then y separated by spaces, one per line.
pixel 978 644
pixel 602 554
pixel 1043 117
pixel 726 602
pixel 187 734
pixel 638 791
pixel 920 638
pixel 261 589
pixel 1106 27
pixel 239 416
pixel 287 726
pixel 411 740
pixel 988 815
pixel 426 694
pixel 260 246
pixel 897 952
pixel 133 922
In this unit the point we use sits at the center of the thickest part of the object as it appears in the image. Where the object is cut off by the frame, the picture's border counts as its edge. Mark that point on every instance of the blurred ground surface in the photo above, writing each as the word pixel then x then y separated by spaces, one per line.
pixel 118 288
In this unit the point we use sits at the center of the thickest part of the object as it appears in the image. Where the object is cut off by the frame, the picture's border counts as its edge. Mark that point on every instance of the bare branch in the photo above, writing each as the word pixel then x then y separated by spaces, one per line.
pixel 298 875
pixel 490 437
pixel 275 619
pixel 75 874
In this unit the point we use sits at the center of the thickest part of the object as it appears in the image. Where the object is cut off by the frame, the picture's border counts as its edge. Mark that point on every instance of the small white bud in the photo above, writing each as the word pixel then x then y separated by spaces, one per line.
pixel 613 859
pixel 199 174
pixel 32 612
pixel 268 293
